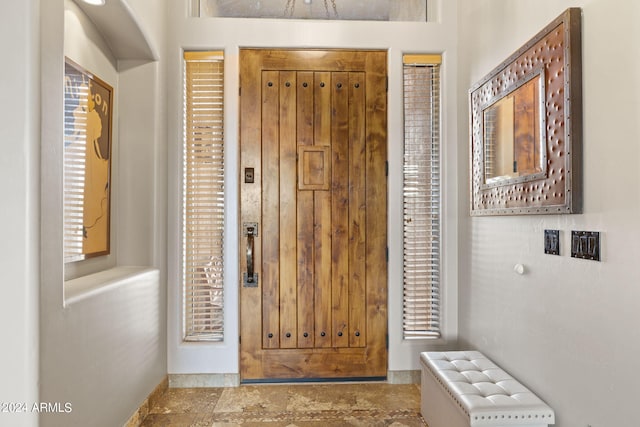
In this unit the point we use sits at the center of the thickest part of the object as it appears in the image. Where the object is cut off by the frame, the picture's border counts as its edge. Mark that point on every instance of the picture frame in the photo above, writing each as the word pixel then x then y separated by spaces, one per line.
pixel 526 127
pixel 88 114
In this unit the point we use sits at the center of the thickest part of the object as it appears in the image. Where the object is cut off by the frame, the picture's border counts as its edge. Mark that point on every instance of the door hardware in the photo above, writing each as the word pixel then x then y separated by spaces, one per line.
pixel 249 175
pixel 250 278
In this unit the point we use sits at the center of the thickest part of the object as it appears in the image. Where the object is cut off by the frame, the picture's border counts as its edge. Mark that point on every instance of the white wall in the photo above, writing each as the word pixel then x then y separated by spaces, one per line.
pixel 104 350
pixel 568 327
pixel 19 211
pixel 231 35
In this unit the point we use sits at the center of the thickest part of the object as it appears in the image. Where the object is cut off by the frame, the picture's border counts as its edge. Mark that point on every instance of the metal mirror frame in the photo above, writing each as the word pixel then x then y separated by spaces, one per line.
pixel 555 54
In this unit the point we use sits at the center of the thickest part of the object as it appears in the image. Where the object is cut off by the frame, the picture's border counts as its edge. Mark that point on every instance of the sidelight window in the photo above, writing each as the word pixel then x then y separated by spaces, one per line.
pixel 203 197
pixel 421 197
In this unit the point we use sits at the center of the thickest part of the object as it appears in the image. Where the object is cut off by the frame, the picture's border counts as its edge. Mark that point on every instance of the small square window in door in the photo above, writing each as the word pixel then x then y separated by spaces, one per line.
pixel 314 167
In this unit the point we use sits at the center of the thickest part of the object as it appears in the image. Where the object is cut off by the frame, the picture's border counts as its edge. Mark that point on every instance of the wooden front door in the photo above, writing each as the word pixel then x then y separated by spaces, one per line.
pixel 313 300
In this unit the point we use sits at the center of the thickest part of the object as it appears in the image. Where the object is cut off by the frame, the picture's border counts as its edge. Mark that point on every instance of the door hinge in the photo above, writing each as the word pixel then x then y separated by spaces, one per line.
pixel 386 168
pixel 386 83
pixel 387 254
pixel 239 91
pixel 386 340
pixel 239 339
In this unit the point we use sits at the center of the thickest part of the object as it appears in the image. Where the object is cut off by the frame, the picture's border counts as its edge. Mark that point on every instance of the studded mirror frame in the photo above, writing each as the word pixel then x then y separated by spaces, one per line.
pixel 555 52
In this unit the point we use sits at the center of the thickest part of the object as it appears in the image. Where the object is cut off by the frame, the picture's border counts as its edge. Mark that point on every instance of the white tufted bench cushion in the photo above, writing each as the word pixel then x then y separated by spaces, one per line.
pixel 478 393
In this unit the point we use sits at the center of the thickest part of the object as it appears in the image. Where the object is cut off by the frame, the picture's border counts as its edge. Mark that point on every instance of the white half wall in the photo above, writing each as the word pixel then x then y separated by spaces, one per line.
pixel 567 328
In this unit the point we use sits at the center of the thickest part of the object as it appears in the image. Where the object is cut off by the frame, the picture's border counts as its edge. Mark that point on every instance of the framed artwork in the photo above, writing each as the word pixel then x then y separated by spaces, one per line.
pixel 526 127
pixel 88 106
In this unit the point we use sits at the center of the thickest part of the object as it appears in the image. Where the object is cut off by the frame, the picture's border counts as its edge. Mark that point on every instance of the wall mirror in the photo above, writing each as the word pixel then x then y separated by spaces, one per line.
pixel 526 127
pixel 513 135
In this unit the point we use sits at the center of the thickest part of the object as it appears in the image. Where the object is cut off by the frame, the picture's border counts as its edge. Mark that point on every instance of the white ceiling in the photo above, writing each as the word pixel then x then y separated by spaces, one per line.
pixel 377 10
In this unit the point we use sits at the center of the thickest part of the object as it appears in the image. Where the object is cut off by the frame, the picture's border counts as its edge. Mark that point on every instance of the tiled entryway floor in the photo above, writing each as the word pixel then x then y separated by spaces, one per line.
pixel 342 404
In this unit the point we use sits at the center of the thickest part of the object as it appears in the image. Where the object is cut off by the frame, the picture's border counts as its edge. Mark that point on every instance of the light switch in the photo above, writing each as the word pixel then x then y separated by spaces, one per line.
pixel 585 245
pixel 552 242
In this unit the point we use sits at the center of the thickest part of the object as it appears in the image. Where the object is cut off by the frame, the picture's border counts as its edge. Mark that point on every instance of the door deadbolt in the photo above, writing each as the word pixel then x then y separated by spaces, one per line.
pixel 249 175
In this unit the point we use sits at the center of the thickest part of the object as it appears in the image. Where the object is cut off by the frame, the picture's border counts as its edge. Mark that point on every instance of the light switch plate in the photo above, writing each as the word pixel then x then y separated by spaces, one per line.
pixel 585 245
pixel 552 242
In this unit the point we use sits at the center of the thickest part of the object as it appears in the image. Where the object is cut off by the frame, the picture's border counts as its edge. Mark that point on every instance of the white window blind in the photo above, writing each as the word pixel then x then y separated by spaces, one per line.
pixel 203 197
pixel 421 197
pixel 75 136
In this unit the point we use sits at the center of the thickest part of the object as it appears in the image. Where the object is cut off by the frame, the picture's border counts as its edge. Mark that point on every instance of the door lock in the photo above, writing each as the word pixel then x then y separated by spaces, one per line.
pixel 249 175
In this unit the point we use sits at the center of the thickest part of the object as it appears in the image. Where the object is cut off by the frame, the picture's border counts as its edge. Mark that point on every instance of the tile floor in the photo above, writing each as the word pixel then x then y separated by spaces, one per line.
pixel 280 405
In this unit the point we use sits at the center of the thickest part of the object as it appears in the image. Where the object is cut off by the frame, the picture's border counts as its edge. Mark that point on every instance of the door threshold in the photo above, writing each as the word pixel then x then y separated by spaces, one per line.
pixel 312 380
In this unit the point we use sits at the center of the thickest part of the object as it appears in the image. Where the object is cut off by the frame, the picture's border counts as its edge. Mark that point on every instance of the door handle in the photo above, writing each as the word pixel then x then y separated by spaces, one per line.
pixel 250 247
pixel 250 278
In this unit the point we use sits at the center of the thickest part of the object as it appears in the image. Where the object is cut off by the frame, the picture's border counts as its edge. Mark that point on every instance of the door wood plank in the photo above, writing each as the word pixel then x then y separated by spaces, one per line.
pixel 315 59
pixel 270 210
pixel 376 195
pixel 340 208
pixel 322 217
pixel 339 363
pixel 357 211
pixel 305 218
pixel 288 211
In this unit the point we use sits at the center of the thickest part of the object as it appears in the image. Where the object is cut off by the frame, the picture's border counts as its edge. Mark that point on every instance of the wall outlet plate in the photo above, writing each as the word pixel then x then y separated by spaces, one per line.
pixel 552 242
pixel 585 245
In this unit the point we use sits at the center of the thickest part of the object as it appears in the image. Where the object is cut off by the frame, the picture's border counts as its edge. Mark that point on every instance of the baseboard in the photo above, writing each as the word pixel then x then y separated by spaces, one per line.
pixel 233 380
pixel 138 417
pixel 403 377
pixel 203 380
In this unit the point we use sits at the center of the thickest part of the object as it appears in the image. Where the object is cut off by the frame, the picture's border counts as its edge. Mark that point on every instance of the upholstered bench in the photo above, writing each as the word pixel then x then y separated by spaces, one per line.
pixel 464 388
